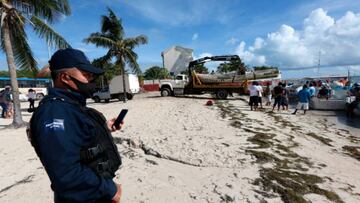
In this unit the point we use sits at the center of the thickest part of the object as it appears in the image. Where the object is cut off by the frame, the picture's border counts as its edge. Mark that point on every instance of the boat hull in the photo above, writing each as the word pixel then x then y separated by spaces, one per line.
pixel 330 104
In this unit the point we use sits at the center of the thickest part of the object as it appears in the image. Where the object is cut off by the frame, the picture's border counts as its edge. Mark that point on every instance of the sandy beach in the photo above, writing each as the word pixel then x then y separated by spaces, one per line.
pixel 180 150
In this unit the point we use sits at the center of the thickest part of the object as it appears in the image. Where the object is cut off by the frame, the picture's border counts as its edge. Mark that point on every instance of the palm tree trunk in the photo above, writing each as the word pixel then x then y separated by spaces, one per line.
pixel 124 83
pixel 123 76
pixel 17 119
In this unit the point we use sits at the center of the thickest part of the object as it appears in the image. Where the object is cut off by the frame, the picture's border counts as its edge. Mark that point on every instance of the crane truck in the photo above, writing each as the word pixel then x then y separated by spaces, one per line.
pixel 221 85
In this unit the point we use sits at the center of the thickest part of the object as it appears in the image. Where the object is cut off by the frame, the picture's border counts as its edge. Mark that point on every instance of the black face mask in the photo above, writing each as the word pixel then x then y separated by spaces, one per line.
pixel 85 89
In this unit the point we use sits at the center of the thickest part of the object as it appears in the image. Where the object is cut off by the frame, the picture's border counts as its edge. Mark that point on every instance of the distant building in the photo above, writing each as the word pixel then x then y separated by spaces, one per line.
pixel 176 59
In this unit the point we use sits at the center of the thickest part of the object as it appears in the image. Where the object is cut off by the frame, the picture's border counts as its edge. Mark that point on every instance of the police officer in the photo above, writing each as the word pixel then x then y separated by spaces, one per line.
pixel 73 141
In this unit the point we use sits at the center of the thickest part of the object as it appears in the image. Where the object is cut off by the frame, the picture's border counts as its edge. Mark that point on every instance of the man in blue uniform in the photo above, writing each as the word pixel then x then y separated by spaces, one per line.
pixel 65 134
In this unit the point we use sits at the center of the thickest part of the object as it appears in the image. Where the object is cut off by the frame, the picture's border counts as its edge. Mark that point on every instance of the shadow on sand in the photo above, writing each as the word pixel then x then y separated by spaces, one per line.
pixel 352 122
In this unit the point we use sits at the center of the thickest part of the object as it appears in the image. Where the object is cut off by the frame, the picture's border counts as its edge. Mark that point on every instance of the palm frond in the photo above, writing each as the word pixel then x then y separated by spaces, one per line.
pixel 136 41
pixel 2 17
pixel 23 55
pixel 100 62
pixel 44 31
pixel 112 25
pixel 100 40
pixel 131 59
pixel 51 10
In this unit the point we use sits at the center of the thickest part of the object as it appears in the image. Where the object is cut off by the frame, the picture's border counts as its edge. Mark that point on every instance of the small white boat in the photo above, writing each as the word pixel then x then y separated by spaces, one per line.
pixel 337 101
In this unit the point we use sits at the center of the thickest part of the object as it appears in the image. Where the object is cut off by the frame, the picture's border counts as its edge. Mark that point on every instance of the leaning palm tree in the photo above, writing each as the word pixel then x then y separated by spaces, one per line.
pixel 119 48
pixel 15 15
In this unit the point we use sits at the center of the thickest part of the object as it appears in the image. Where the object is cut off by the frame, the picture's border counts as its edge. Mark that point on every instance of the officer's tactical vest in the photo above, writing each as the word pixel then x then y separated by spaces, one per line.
pixel 101 155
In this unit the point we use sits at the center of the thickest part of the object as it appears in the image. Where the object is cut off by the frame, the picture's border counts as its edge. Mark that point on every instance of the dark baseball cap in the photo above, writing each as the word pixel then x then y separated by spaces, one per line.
pixel 70 58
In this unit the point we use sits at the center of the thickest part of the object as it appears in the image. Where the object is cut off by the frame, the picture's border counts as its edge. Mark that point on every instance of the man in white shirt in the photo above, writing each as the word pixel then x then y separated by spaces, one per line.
pixel 258 86
pixel 254 96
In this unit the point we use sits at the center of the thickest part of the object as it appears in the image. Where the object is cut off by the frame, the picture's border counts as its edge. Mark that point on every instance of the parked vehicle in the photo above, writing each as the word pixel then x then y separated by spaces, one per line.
pixel 39 85
pixel 115 89
pixel 221 85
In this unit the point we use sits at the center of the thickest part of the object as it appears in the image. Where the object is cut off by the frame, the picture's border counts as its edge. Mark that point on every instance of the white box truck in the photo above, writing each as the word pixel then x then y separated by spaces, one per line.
pixel 115 89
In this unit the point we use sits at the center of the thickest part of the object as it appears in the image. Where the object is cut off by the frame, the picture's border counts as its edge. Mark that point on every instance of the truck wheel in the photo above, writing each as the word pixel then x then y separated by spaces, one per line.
pixel 39 96
pixel 222 94
pixel 107 100
pixel 96 99
pixel 129 96
pixel 121 97
pixel 165 92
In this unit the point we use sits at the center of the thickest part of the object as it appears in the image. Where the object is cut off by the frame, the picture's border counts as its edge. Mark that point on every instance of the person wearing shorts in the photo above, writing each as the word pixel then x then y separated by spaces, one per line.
pixel 260 93
pixel 254 96
pixel 267 94
pixel 278 90
pixel 304 97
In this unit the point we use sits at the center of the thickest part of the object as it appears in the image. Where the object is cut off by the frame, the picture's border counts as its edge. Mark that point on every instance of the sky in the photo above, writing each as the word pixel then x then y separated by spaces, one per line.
pixel 290 34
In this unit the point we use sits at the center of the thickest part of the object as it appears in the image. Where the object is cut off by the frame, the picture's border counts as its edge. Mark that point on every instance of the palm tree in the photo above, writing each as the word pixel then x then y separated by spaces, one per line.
pixel 15 15
pixel 119 48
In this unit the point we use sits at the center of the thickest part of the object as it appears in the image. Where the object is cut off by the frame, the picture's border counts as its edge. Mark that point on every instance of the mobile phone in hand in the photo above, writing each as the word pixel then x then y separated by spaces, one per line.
pixel 120 117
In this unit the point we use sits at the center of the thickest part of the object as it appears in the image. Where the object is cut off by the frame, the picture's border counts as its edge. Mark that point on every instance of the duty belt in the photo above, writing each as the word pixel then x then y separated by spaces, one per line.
pixel 90 154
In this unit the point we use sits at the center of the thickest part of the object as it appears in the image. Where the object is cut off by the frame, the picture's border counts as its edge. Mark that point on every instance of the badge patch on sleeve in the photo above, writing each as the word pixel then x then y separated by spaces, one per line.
pixel 56 125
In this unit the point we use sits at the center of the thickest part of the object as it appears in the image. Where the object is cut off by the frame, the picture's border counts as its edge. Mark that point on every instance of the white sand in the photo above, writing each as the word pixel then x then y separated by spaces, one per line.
pixel 203 158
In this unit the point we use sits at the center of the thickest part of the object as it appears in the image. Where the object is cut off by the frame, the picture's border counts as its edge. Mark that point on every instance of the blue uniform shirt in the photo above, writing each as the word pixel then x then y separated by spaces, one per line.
pixel 61 131
pixel 304 96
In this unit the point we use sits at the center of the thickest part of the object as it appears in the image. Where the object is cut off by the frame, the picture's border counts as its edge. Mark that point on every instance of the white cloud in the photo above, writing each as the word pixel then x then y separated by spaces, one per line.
pixel 202 55
pixel 337 40
pixel 195 36
pixel 232 41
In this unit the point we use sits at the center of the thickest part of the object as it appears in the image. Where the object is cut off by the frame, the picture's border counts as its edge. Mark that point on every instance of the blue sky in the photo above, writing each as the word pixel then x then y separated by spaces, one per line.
pixel 283 33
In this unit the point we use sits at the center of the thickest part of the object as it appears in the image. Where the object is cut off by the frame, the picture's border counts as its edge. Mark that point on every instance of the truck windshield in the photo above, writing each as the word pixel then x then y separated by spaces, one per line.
pixel 179 77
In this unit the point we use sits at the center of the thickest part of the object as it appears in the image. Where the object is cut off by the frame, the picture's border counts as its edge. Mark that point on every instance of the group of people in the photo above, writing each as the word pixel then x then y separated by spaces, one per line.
pixel 6 102
pixel 279 92
pixel 325 91
pixel 280 96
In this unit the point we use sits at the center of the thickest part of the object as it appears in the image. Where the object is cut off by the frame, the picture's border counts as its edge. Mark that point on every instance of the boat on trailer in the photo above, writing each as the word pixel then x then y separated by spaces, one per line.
pixel 235 77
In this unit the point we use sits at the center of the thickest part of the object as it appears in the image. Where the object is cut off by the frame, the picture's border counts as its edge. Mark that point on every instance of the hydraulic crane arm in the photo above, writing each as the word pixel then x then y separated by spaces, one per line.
pixel 214 58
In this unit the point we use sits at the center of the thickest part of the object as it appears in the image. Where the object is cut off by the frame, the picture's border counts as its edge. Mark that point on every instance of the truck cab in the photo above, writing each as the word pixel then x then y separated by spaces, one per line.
pixel 167 87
